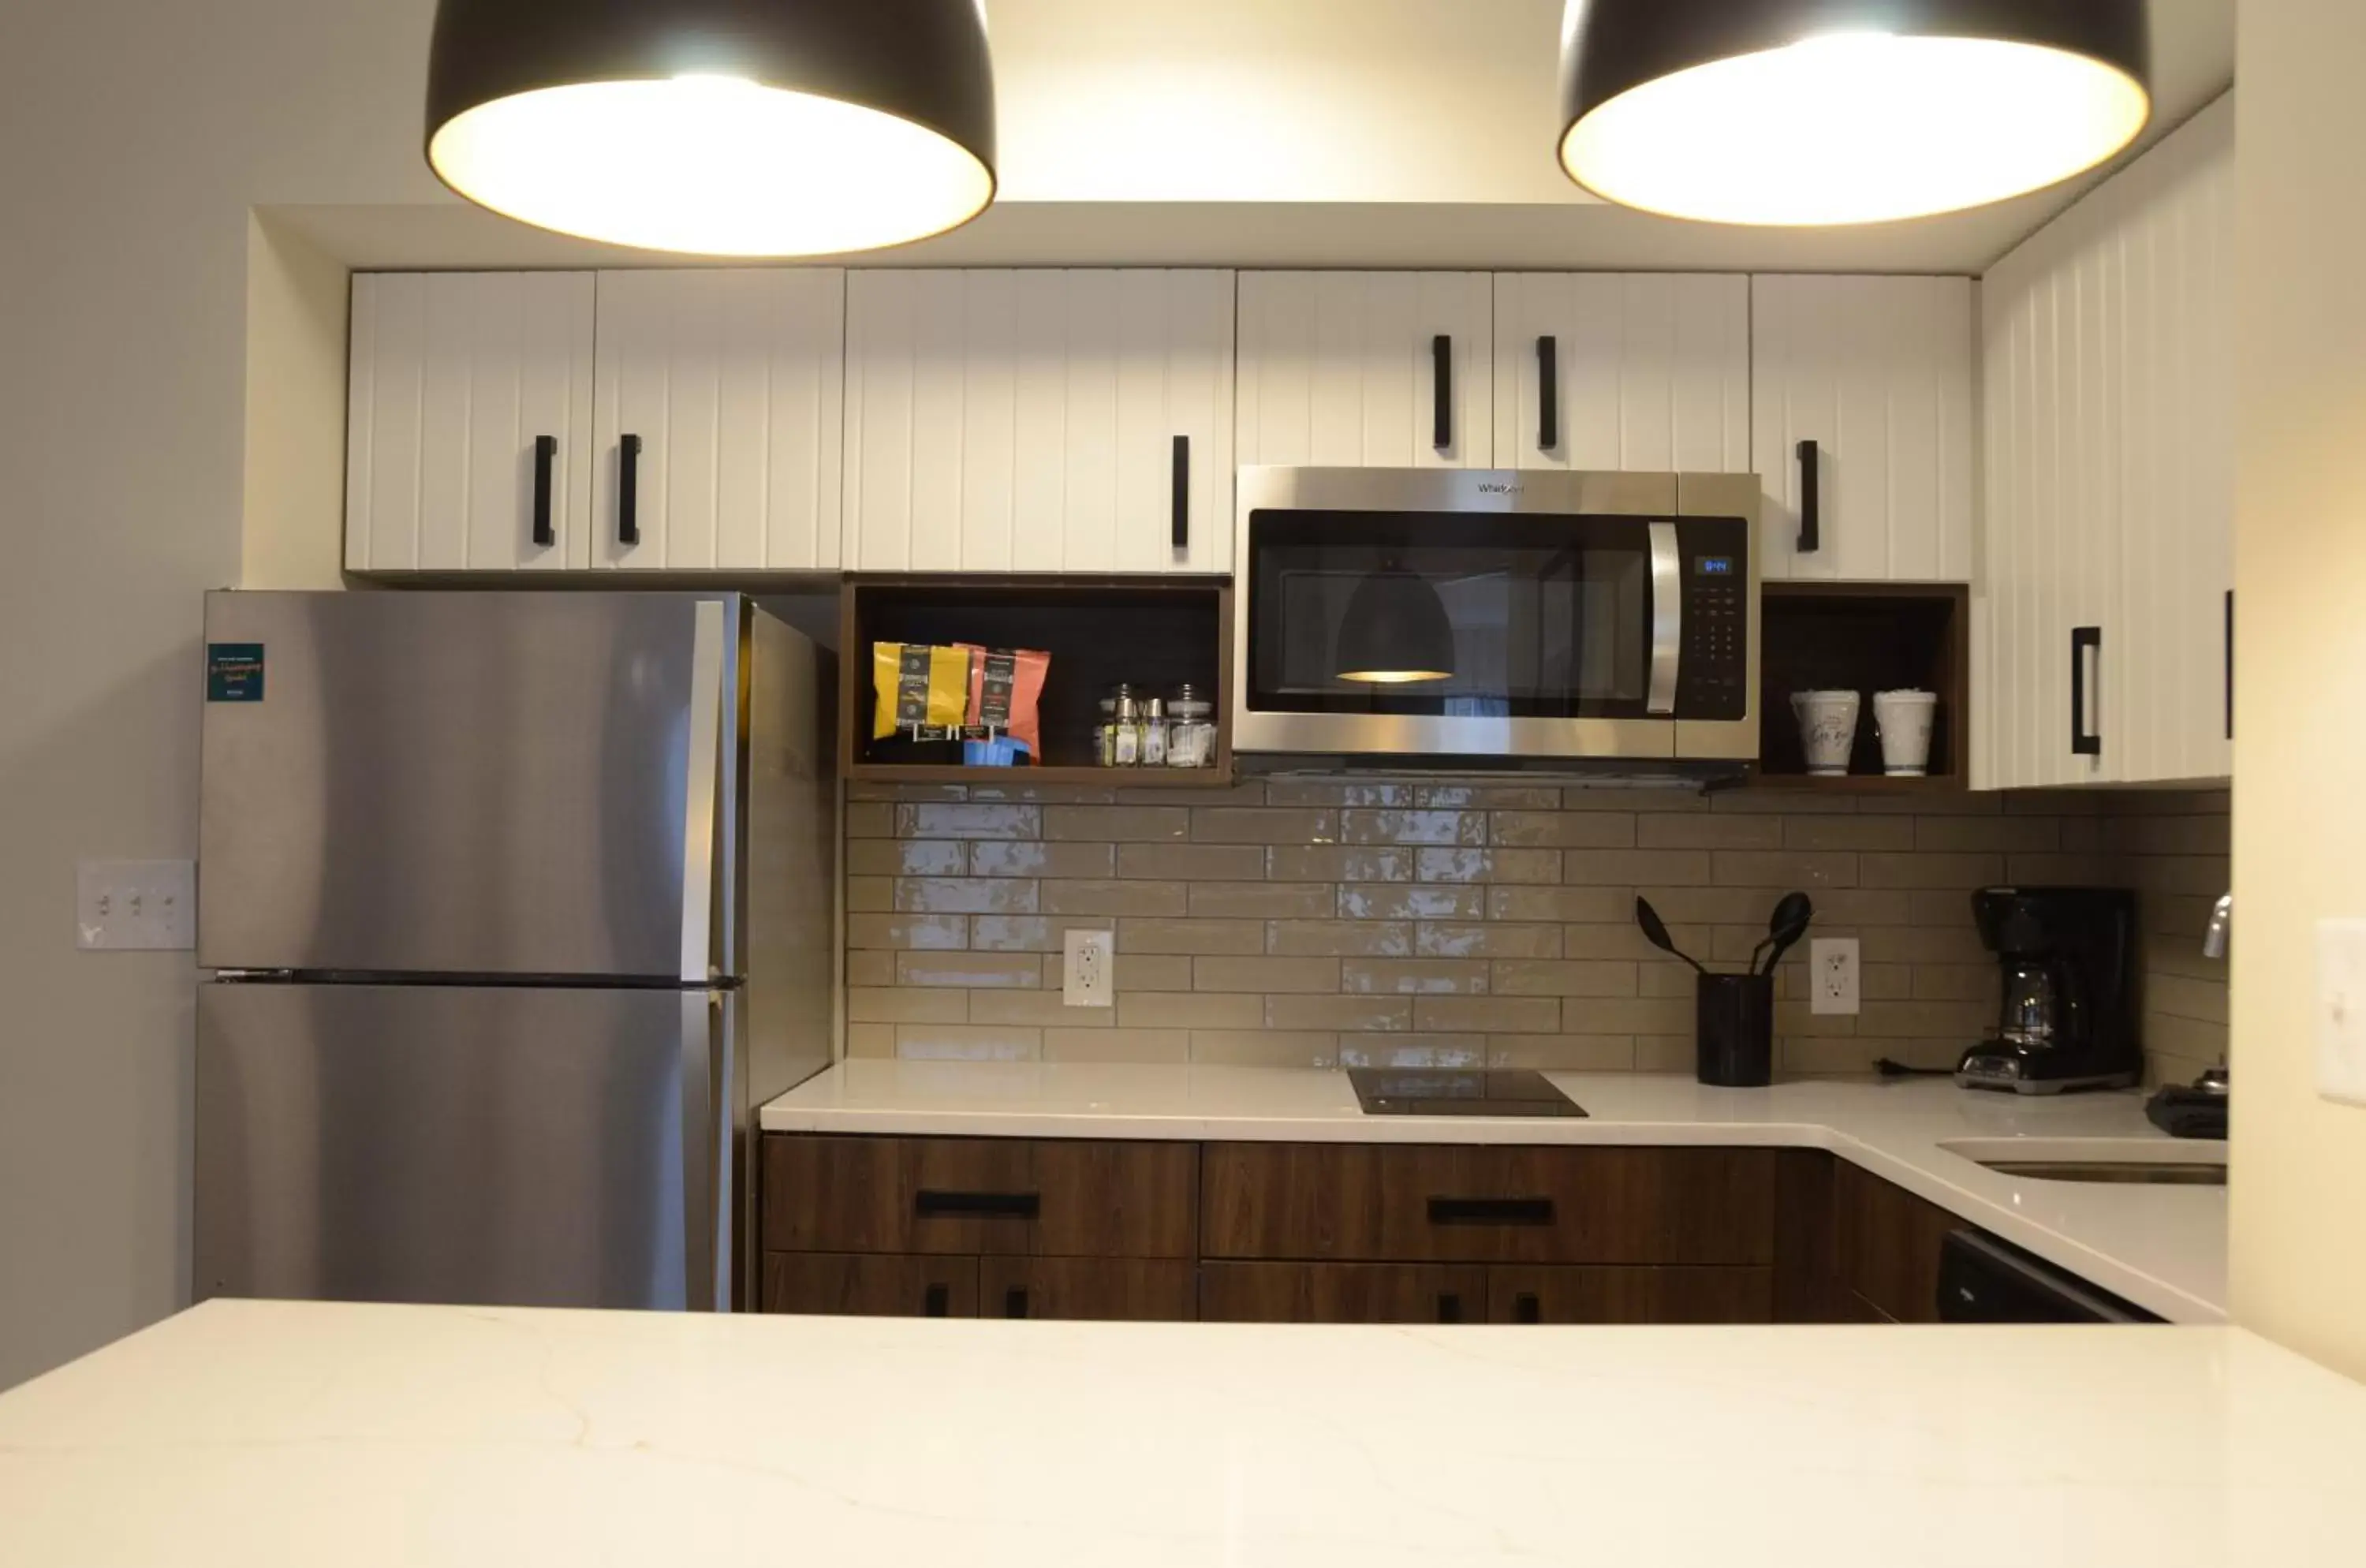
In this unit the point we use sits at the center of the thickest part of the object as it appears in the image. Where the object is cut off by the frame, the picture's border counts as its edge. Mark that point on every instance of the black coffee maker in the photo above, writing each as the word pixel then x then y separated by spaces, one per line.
pixel 2069 1020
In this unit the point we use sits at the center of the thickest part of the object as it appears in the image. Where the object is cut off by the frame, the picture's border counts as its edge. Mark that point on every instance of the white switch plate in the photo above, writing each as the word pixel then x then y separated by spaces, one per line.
pixel 130 904
pixel 1833 975
pixel 2341 1010
pixel 1087 981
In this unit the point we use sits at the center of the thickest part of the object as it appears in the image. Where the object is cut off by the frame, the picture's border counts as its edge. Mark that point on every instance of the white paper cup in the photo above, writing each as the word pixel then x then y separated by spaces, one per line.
pixel 1904 720
pixel 1827 729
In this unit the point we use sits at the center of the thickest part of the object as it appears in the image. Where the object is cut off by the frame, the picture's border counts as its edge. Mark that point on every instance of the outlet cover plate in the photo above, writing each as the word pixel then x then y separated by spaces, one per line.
pixel 1087 980
pixel 123 906
pixel 2341 1010
pixel 1832 977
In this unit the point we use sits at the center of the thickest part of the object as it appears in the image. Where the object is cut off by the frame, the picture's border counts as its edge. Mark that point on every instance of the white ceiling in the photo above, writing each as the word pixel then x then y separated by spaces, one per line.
pixel 1314 133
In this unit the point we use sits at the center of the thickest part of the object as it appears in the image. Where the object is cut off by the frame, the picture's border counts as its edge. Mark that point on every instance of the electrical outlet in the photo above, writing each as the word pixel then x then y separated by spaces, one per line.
pixel 1832 975
pixel 1086 981
pixel 132 905
pixel 2341 1010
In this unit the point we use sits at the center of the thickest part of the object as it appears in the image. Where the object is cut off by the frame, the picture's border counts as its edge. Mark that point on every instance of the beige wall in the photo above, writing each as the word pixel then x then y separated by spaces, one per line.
pixel 296 308
pixel 2299 1251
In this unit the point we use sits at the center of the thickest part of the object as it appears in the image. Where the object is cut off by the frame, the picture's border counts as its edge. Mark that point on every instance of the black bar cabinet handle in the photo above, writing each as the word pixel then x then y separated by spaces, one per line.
pixel 1449 1307
pixel 1491 1211
pixel 1182 493
pixel 1014 1301
pixel 1811 522
pixel 937 1301
pixel 546 453
pixel 1441 416
pixel 1526 1308
pixel 1547 393
pixel 2230 664
pixel 929 1205
pixel 628 489
pixel 2084 742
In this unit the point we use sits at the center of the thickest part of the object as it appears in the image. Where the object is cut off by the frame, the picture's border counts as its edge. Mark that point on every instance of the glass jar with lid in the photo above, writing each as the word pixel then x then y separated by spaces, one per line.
pixel 1190 729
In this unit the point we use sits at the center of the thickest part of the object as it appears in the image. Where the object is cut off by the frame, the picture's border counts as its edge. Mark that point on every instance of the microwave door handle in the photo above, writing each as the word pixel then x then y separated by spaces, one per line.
pixel 1667 618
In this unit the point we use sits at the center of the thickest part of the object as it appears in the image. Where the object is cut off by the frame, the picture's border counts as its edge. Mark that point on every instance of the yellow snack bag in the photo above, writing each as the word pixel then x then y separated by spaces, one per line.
pixel 918 687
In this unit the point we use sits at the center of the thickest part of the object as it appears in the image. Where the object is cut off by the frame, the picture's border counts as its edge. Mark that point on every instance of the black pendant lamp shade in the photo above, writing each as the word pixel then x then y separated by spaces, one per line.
pixel 1395 632
pixel 716 127
pixel 1844 112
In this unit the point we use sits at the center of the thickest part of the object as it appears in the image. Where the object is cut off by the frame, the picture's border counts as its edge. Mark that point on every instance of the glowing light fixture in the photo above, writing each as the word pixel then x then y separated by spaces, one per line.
pixel 1395 631
pixel 1844 112
pixel 717 127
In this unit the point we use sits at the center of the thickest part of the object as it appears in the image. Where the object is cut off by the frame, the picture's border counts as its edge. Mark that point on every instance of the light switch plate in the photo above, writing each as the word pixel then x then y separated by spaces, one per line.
pixel 135 905
pixel 2341 1010
pixel 1087 981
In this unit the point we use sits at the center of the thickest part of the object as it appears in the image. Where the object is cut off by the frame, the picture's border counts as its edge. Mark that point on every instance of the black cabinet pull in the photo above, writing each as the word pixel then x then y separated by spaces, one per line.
pixel 1014 1301
pixel 1441 415
pixel 1182 523
pixel 937 1301
pixel 2084 742
pixel 1449 1307
pixel 930 1205
pixel 1526 1308
pixel 546 453
pixel 628 489
pixel 1547 393
pixel 1812 519
pixel 2230 664
pixel 1491 1211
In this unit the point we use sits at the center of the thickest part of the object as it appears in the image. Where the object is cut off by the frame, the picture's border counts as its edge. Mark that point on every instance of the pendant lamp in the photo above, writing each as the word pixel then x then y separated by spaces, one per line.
pixel 746 127
pixel 1844 112
pixel 1395 632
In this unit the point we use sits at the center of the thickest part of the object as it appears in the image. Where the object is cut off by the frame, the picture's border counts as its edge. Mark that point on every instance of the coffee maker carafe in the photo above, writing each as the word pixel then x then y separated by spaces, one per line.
pixel 2068 1020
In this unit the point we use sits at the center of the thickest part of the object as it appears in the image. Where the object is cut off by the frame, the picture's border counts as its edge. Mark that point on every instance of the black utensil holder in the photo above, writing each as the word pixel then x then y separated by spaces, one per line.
pixel 1735 1030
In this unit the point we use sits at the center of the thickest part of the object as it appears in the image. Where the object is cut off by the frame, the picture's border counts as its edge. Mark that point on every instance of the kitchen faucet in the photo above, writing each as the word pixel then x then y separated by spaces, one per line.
pixel 2220 929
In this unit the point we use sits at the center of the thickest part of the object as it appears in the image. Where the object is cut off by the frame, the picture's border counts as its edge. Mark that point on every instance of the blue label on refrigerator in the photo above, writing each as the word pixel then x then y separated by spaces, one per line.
pixel 233 672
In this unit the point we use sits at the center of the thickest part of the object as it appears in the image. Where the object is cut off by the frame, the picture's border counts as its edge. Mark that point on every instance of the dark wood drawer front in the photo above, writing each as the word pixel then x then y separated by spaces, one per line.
pixel 1341 1292
pixel 1461 1204
pixel 1524 1293
pixel 1886 1244
pixel 1012 1196
pixel 837 1285
pixel 1138 1289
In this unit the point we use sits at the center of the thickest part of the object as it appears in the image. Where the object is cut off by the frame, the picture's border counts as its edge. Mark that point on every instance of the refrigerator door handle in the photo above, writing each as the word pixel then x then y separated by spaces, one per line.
pixel 709 1210
pixel 701 798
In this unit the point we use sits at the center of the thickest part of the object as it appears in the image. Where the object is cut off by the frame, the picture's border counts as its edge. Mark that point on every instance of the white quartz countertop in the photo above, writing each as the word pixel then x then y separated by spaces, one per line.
pixel 2163 1247
pixel 270 1434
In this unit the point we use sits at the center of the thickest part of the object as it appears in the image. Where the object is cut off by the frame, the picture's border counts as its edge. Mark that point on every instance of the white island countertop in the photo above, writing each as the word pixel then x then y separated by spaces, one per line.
pixel 265 1435
pixel 2162 1248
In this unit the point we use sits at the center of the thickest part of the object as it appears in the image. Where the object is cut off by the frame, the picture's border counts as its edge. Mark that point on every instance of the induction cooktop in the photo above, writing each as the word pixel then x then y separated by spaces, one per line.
pixel 1390 1091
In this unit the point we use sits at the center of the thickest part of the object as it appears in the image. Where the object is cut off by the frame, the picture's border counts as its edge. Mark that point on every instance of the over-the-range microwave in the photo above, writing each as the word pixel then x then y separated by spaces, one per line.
pixel 1444 617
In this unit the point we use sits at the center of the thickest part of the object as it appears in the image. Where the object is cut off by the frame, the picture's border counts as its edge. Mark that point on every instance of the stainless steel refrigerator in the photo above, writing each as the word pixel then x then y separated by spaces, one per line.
pixel 518 905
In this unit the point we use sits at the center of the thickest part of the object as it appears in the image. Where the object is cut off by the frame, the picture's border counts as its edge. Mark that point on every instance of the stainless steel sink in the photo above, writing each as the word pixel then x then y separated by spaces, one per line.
pixel 2145 1162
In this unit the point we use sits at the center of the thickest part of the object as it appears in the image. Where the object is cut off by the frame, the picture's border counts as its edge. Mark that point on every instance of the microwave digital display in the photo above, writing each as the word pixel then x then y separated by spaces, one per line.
pixel 1715 566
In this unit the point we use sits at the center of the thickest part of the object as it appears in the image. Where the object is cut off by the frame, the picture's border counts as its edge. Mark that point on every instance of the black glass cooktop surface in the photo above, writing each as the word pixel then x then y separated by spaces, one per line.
pixel 1392 1091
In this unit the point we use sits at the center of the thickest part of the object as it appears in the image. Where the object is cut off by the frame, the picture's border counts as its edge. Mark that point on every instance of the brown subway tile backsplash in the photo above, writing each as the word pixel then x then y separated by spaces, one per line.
pixel 1319 923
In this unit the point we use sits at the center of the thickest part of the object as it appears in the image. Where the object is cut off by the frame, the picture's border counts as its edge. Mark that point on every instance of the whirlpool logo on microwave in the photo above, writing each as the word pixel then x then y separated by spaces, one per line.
pixel 1497 487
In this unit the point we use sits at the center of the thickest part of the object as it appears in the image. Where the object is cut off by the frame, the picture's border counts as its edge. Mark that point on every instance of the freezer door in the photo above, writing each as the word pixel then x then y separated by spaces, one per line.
pixel 511 1147
pixel 468 783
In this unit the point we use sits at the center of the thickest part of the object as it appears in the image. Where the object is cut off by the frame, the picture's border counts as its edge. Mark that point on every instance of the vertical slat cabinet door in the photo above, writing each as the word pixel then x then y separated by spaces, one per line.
pixel 1340 369
pixel 1877 373
pixel 719 404
pixel 1028 421
pixel 2174 216
pixel 1641 371
pixel 454 382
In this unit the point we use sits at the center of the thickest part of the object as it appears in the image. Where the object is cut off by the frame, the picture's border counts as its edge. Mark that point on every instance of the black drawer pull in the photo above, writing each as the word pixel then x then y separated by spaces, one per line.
pixel 937 1301
pixel 1811 509
pixel 1181 521
pixel 1526 1308
pixel 2230 664
pixel 2084 741
pixel 628 489
pixel 546 453
pixel 1449 1307
pixel 978 1205
pixel 1441 413
pixel 1548 394
pixel 1014 1303
pixel 1491 1211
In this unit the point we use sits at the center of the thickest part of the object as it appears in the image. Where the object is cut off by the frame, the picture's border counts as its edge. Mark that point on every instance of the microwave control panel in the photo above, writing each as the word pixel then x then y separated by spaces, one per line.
pixel 1713 675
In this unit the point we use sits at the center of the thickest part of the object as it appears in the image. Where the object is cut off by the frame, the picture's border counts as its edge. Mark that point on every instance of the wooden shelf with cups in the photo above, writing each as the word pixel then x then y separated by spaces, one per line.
pixel 1823 642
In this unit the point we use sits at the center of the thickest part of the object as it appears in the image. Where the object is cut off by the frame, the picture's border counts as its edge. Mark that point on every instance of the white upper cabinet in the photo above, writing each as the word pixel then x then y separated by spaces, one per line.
pixel 1877 373
pixel 720 398
pixel 1039 421
pixel 2101 648
pixel 1345 369
pixel 1622 370
pixel 468 422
